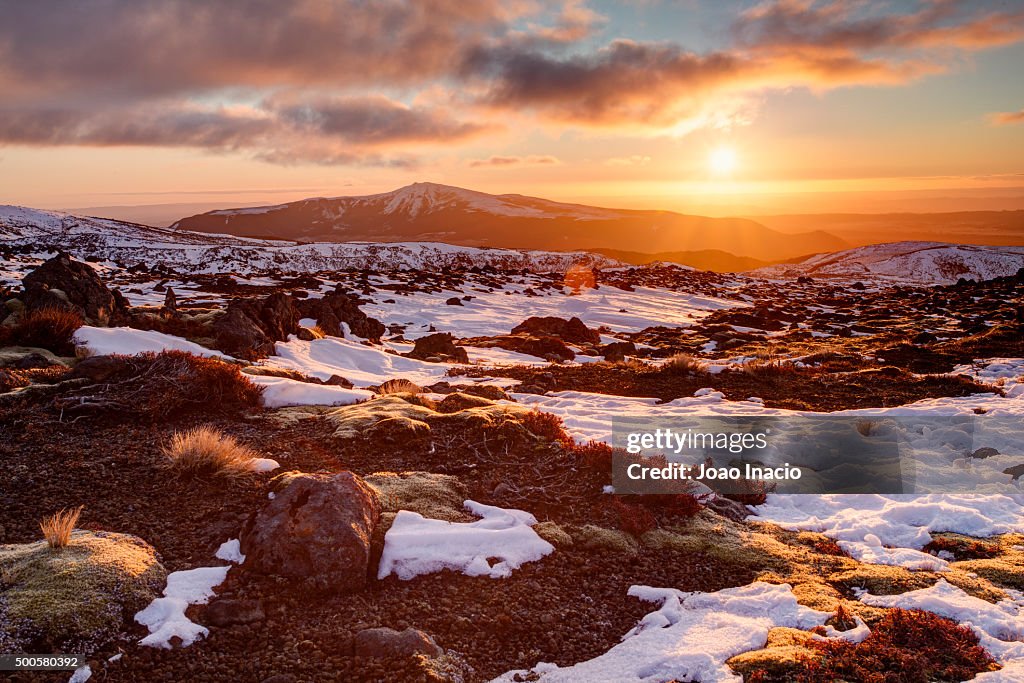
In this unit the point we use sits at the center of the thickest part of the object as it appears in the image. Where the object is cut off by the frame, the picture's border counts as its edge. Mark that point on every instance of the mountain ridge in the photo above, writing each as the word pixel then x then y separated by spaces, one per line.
pixel 435 212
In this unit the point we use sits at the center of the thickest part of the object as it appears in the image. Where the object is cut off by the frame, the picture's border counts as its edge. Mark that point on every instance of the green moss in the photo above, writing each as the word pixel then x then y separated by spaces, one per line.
pixel 436 496
pixel 77 597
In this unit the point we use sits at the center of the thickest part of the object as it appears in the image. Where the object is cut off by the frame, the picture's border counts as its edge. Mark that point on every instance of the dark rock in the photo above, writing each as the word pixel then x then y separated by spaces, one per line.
pixel 1014 471
pixel 170 300
pixel 541 347
pixel 455 402
pixel 317 528
pixel 454 301
pixel 66 283
pixel 306 334
pixel 248 329
pixel 617 351
pixel 986 452
pixel 338 381
pixel 488 391
pixel 571 330
pixel 805 280
pixel 32 361
pixel 387 642
pixel 730 509
pixel 440 346
pixel 227 612
pixel 336 308
pixel 99 368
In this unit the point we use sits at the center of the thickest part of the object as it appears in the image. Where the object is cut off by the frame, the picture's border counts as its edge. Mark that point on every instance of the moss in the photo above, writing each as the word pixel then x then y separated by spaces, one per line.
pixel 1006 570
pixel 553 534
pixel 591 537
pixel 776 661
pixel 436 496
pixel 12 354
pixel 77 597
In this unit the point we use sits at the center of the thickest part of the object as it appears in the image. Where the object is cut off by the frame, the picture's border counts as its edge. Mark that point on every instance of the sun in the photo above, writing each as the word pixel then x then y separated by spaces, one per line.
pixel 723 160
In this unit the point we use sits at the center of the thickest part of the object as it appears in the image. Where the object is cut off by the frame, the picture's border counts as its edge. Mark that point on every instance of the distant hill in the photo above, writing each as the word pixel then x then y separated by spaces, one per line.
pixel 909 262
pixel 440 213
pixel 705 259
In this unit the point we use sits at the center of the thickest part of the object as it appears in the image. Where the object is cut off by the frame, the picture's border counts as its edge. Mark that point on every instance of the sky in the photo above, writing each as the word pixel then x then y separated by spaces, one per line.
pixel 780 106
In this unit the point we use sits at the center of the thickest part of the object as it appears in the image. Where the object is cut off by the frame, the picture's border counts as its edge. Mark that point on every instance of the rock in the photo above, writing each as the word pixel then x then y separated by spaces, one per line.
pixel 1014 471
pixel 729 509
pixel 986 452
pixel 227 612
pixel 27 358
pixel 387 642
pixel 248 329
pixel 338 381
pixel 571 330
pixel 170 300
pixel 488 391
pixel 454 301
pixel 99 368
pixel 549 348
pixel 318 527
pixel 66 283
pixel 440 345
pixel 617 351
pixel 925 338
pixel 76 598
pixel 336 308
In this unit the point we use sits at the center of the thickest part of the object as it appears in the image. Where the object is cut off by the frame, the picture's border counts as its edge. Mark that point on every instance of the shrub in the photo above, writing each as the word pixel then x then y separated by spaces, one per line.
pixel 828 546
pixel 915 646
pixel 157 385
pixel 683 364
pixel 49 328
pixel 11 380
pixel 963 548
pixel 594 455
pixel 547 426
pixel 752 492
pixel 636 520
pixel 57 527
pixel 205 451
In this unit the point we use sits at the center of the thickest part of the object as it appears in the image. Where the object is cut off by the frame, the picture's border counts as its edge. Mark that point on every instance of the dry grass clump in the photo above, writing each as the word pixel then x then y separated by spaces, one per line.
pixel 57 527
pixel 683 364
pixel 399 385
pixel 205 451
pixel 48 328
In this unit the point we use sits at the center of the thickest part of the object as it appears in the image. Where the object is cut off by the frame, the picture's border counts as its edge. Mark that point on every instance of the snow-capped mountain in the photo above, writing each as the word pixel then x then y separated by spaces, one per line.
pixel 911 262
pixel 432 212
pixel 101 239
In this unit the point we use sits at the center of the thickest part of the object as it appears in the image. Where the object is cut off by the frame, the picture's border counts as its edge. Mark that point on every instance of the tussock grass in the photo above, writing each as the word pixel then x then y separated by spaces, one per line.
pixel 683 364
pixel 57 527
pixel 205 451
pixel 49 328
pixel 399 385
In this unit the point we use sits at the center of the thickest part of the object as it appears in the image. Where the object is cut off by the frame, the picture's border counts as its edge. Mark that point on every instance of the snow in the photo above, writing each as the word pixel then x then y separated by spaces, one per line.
pixel 263 465
pixel 230 551
pixel 913 262
pixel 415 545
pixel 102 341
pixel 689 637
pixel 81 674
pixel 165 617
pixel 279 392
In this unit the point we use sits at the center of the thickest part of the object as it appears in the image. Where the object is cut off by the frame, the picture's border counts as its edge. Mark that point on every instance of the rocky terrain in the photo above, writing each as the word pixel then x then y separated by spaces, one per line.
pixel 297 467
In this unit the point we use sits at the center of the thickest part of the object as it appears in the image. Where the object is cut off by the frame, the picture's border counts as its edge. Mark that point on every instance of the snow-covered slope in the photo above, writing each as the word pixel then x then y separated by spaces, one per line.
pixel 130 243
pixel 911 262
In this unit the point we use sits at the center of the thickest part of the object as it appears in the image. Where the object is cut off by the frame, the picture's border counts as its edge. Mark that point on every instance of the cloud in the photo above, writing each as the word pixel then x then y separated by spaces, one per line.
pixel 504 161
pixel 1006 118
pixel 350 81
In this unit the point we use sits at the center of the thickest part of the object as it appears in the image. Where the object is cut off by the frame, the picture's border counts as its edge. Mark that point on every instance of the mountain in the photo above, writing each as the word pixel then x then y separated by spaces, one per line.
pixel 910 262
pixel 106 240
pixel 715 260
pixel 432 212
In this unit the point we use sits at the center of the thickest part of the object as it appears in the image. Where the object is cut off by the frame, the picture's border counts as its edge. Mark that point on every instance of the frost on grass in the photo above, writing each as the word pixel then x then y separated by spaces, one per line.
pixel 690 637
pixel 502 540
pixel 165 617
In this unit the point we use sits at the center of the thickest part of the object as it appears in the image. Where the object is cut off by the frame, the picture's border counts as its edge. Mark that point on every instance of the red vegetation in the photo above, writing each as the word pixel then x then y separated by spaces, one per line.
pixel 48 328
pixel 906 646
pixel 636 520
pixel 963 548
pixel 547 426
pixel 828 546
pixel 157 385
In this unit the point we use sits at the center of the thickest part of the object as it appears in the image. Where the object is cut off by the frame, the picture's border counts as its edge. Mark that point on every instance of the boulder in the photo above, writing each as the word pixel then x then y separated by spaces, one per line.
pixel 440 345
pixel 387 642
pixel 317 528
pixel 548 348
pixel 65 283
pixel 248 329
pixel 617 351
pixel 571 330
pixel 75 598
pixel 454 301
pixel 228 612
pixel 336 308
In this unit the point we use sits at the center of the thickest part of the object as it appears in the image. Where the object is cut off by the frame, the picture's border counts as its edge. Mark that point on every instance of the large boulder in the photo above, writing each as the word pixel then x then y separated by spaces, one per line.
pixel 546 347
pixel 386 642
pixel 248 329
pixel 336 308
pixel 572 330
pixel 63 282
pixel 75 598
pixel 438 347
pixel 318 528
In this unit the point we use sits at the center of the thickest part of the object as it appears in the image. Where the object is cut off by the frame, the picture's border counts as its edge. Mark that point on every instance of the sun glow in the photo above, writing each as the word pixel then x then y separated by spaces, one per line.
pixel 723 161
